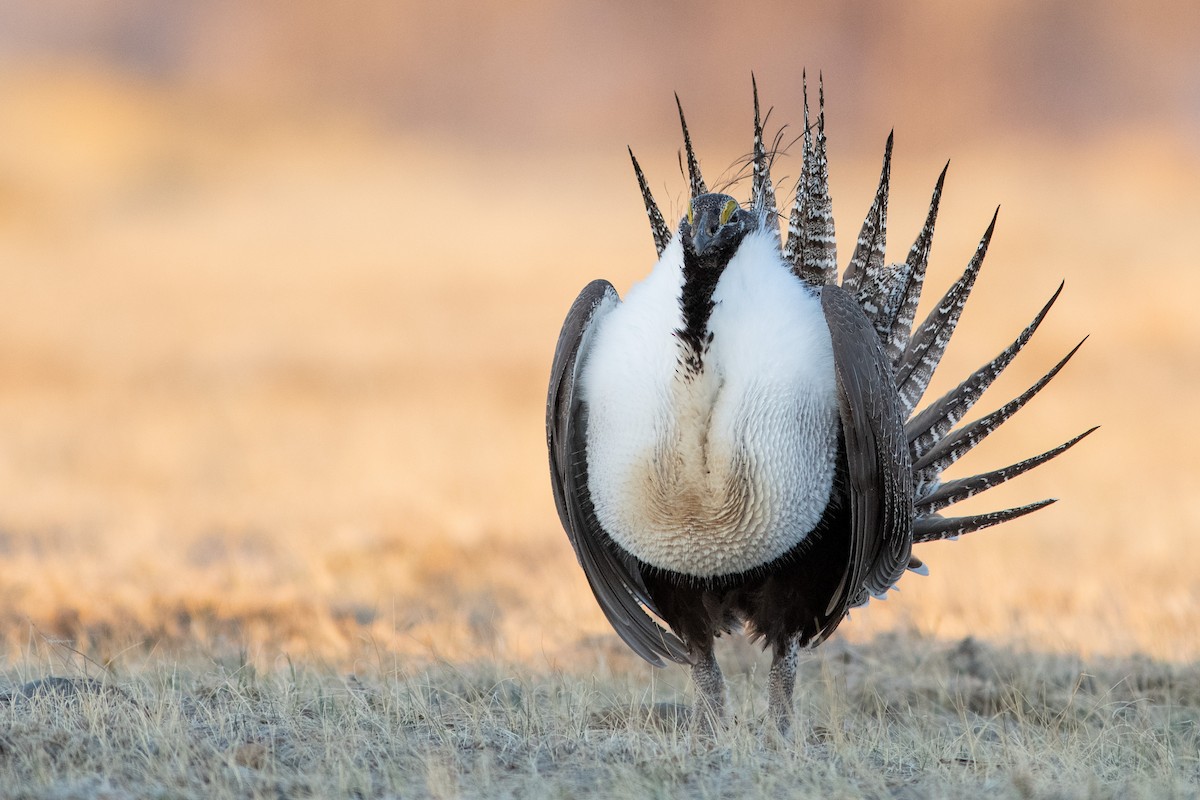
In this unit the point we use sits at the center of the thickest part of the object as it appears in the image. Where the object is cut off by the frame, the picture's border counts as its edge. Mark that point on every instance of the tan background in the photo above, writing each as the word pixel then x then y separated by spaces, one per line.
pixel 280 287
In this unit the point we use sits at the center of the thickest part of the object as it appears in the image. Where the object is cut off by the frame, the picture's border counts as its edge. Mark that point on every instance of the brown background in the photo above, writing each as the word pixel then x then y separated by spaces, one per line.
pixel 280 286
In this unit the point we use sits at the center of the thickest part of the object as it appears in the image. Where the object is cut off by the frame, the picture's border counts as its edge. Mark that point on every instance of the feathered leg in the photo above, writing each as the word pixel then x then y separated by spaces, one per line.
pixel 710 687
pixel 782 683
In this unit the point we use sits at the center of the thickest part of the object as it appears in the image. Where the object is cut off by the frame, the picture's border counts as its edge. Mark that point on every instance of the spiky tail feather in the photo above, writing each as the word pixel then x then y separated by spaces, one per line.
pixel 889 296
pixel 762 191
pixel 658 226
pixel 695 179
pixel 811 247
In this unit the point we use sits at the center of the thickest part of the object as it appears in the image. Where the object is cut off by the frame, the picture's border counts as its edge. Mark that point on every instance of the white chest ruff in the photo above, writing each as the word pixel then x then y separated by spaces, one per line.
pixel 725 471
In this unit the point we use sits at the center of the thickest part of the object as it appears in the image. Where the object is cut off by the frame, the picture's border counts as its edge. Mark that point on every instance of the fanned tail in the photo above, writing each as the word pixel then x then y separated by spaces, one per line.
pixel 935 448
pixel 889 296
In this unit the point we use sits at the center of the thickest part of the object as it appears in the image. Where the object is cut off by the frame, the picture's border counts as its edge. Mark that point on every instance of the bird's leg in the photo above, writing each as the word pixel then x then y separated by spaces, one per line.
pixel 782 683
pixel 710 687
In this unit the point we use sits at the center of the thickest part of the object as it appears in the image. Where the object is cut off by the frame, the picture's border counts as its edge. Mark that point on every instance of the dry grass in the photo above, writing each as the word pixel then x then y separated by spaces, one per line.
pixel 270 414
pixel 901 717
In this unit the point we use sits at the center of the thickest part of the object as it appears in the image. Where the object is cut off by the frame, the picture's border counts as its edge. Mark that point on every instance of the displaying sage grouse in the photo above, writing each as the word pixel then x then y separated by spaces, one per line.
pixel 738 441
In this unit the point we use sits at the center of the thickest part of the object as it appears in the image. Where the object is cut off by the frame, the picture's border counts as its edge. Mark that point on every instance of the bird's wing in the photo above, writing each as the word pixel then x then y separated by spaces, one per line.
pixel 879 469
pixel 618 588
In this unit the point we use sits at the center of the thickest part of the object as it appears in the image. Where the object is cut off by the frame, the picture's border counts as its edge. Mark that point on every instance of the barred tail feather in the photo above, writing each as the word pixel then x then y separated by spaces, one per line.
pixel 695 179
pixel 897 338
pixel 792 251
pixel 951 492
pixel 872 241
pixel 812 247
pixel 762 192
pixel 658 227
pixel 933 422
pixel 932 527
pixel 925 350
pixel 929 466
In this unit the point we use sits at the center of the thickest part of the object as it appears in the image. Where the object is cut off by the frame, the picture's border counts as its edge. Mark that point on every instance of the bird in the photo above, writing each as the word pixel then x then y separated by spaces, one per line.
pixel 737 442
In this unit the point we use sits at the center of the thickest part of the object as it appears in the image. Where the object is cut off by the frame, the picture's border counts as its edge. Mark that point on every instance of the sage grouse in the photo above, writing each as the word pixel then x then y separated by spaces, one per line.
pixel 738 440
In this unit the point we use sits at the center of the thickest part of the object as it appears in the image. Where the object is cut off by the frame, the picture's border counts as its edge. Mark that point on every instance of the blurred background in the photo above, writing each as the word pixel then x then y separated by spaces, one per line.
pixel 280 284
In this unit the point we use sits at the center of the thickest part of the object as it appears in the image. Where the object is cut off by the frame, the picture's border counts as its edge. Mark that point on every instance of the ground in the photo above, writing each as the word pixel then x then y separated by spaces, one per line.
pixel 900 716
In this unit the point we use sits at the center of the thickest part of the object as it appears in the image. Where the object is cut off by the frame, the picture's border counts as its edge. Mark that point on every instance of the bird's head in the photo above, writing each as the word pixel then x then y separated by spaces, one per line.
pixel 714 227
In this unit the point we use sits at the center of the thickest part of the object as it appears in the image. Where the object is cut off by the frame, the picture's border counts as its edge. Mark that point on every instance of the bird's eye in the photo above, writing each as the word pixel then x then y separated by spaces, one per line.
pixel 727 211
pixel 691 215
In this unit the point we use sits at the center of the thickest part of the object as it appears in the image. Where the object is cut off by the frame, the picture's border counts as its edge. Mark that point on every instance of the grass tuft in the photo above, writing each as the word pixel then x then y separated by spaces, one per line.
pixel 900 716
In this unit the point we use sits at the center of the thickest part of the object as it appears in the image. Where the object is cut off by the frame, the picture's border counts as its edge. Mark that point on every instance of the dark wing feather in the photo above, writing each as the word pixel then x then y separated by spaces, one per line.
pixel 879 473
pixel 618 588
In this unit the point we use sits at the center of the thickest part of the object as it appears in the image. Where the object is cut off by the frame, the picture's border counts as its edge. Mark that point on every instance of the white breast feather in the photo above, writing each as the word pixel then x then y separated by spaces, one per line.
pixel 728 470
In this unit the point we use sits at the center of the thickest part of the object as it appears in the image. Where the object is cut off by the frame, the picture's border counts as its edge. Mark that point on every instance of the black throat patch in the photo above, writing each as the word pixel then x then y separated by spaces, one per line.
pixel 700 276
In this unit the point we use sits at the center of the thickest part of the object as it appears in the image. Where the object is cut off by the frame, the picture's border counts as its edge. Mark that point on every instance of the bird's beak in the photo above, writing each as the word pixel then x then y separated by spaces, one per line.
pixel 701 238
pixel 704 231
